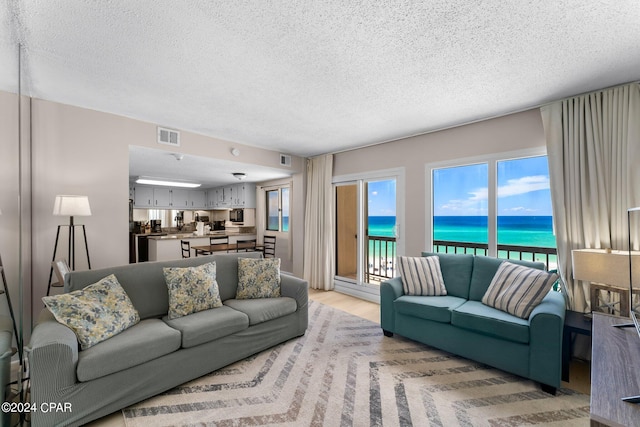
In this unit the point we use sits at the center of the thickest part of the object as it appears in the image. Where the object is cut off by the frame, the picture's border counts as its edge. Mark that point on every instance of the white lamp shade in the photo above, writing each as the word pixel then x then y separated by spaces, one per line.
pixel 72 206
pixel 610 267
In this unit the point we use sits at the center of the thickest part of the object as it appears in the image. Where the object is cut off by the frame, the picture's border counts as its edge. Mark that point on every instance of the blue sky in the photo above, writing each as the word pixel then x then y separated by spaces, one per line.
pixel 382 198
pixel 523 189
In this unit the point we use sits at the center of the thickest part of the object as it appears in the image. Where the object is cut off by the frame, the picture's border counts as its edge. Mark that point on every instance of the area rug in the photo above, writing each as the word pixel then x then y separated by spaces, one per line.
pixel 344 372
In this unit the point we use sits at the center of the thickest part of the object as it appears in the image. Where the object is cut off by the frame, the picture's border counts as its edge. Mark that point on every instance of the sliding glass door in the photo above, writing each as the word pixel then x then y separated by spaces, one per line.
pixel 367 235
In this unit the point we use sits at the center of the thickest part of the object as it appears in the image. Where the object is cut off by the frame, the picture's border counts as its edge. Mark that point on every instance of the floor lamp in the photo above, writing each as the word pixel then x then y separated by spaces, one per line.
pixel 70 206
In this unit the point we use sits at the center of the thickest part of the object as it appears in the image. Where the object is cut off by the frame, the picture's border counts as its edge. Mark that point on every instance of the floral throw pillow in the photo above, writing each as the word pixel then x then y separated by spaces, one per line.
pixel 95 313
pixel 192 289
pixel 258 278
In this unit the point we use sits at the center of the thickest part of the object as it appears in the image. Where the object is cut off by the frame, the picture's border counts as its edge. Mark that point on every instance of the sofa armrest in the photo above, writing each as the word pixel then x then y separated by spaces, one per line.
pixel 546 325
pixel 390 290
pixel 53 356
pixel 298 289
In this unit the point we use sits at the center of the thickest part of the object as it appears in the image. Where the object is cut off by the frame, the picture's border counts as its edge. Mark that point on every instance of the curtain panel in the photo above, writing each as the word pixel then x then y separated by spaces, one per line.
pixel 319 260
pixel 593 147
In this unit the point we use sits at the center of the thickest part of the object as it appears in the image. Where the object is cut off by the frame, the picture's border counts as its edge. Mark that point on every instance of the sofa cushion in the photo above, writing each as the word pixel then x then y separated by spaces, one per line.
pixel 208 325
pixel 191 289
pixel 95 313
pixel 456 272
pixel 258 278
pixel 421 276
pixel 263 309
pixel 436 308
pixel 477 317
pixel 145 341
pixel 517 289
pixel 484 268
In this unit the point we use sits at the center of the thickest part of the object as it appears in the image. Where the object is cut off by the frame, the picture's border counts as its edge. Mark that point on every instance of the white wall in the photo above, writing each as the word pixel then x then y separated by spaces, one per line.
pixel 509 133
pixel 81 151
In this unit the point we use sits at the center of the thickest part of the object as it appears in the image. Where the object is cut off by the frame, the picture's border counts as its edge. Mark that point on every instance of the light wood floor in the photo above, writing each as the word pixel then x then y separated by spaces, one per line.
pixel 580 372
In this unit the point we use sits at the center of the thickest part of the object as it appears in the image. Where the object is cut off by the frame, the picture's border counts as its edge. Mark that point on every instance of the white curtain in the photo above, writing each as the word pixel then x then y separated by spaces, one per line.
pixel 319 261
pixel 593 147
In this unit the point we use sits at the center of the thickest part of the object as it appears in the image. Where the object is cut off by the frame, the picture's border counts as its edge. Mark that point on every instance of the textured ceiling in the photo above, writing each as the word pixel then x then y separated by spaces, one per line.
pixel 314 77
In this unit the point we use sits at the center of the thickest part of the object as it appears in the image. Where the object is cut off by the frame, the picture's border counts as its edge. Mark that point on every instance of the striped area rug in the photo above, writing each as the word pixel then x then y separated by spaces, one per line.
pixel 344 372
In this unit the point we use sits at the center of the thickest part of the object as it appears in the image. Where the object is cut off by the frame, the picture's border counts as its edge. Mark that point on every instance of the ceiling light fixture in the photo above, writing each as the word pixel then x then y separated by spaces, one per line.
pixel 178 156
pixel 239 175
pixel 166 182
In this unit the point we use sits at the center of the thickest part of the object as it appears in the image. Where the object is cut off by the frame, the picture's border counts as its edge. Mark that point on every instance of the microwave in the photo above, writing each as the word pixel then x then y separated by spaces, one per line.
pixel 236 215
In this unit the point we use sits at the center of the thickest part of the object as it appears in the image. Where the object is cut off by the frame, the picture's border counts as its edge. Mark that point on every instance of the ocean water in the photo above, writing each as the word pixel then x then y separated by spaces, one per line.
pixel 273 223
pixel 512 230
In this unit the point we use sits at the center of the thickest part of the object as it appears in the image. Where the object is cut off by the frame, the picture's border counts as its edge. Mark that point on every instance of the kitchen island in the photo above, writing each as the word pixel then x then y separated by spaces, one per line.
pixel 164 248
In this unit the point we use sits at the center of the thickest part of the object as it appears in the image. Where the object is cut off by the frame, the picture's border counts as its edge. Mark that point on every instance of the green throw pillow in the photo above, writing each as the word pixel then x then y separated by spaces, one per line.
pixel 192 289
pixel 517 289
pixel 95 313
pixel 258 278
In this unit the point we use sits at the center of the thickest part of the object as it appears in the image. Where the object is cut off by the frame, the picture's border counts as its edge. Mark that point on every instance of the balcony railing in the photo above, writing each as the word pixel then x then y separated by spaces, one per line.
pixel 381 259
pixel 381 262
pixel 528 253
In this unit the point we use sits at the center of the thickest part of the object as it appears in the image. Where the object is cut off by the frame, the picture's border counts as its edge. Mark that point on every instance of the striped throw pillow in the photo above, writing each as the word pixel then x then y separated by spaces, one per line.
pixel 517 289
pixel 421 276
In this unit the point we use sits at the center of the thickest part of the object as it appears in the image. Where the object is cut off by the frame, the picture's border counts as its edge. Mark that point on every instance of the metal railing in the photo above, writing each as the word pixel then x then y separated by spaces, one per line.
pixel 528 253
pixel 381 262
pixel 381 258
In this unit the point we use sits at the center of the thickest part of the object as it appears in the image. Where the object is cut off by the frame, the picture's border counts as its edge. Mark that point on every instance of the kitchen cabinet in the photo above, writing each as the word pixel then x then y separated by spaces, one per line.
pixel 143 197
pixel 245 196
pixel 180 198
pixel 161 197
pixel 197 199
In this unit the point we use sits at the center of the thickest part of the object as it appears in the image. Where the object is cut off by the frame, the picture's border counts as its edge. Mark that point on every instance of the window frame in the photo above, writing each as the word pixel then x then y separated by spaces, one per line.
pixel 279 190
pixel 492 197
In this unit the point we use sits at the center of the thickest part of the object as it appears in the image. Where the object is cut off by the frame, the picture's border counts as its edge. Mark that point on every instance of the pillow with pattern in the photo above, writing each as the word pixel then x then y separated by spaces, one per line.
pixel 95 313
pixel 517 289
pixel 192 289
pixel 421 276
pixel 258 278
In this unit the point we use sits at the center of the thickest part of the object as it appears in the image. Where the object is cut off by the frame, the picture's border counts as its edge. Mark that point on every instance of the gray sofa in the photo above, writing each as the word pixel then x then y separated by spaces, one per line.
pixel 156 354
pixel 461 324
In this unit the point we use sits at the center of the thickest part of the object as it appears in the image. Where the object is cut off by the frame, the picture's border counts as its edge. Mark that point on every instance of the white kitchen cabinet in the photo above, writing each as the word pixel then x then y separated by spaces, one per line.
pixel 143 197
pixel 197 199
pixel 247 197
pixel 180 198
pixel 161 197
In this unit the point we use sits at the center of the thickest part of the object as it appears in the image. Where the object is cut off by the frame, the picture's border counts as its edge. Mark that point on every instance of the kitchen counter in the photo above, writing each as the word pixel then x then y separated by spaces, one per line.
pixel 164 248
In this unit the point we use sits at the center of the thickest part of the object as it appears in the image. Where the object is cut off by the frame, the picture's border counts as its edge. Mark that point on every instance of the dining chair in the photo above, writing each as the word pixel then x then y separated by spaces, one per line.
pixel 246 245
pixel 269 249
pixel 218 242
pixel 186 248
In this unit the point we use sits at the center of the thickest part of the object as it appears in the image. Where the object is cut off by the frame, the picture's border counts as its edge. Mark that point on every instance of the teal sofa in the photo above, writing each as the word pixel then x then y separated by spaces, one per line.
pixel 461 324
pixel 156 354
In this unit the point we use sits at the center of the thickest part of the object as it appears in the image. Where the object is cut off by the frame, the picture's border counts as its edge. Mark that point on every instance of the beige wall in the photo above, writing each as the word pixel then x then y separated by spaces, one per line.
pixel 514 132
pixel 80 151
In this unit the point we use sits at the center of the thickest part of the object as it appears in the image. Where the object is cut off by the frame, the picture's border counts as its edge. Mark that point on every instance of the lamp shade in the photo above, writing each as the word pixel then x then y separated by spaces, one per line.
pixel 610 267
pixel 72 206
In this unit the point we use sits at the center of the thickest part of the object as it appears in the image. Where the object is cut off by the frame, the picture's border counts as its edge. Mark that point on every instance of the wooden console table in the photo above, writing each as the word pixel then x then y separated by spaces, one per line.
pixel 615 372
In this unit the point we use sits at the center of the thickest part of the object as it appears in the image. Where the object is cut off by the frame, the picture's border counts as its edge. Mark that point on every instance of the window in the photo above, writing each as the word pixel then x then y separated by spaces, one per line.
pixel 499 207
pixel 278 212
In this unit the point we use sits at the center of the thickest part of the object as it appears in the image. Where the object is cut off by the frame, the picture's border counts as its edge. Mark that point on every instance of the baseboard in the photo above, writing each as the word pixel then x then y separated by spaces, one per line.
pixel 361 292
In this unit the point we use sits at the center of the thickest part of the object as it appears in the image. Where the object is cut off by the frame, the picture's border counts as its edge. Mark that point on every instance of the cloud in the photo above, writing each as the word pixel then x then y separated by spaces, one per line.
pixel 520 209
pixel 524 185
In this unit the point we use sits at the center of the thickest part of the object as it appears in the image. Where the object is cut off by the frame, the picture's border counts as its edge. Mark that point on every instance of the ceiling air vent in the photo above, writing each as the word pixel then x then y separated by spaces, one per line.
pixel 285 160
pixel 168 137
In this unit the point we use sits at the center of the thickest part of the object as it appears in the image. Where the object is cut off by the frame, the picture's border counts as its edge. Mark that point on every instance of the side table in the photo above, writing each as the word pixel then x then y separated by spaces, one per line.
pixel 574 322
